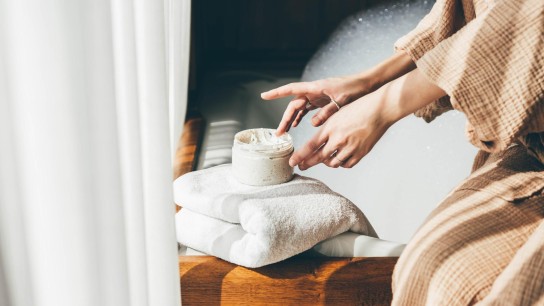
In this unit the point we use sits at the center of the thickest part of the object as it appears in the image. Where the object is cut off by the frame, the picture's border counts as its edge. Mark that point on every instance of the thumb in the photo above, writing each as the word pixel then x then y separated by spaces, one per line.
pixel 323 114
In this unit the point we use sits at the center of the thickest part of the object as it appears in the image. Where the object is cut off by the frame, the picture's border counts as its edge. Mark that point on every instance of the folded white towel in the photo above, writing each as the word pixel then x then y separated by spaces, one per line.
pixel 347 244
pixel 259 225
pixel 350 244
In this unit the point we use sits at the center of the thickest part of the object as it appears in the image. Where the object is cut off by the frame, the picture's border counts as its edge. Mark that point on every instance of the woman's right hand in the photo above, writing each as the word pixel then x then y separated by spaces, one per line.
pixel 318 94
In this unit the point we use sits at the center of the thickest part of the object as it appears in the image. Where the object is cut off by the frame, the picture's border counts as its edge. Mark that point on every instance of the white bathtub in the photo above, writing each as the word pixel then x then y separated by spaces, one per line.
pixel 405 176
pixel 409 171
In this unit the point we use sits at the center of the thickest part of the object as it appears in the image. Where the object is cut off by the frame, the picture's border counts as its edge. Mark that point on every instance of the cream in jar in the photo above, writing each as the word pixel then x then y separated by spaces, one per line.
pixel 260 158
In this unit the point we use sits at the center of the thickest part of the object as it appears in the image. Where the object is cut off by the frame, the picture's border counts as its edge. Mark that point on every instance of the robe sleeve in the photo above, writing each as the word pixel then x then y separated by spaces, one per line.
pixel 493 71
pixel 444 19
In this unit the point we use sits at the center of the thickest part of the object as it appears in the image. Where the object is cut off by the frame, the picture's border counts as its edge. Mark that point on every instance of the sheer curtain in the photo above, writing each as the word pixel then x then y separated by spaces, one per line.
pixel 92 100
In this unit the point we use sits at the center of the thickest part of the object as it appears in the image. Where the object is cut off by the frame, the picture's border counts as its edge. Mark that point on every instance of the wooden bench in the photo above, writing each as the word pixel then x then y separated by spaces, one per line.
pixel 300 280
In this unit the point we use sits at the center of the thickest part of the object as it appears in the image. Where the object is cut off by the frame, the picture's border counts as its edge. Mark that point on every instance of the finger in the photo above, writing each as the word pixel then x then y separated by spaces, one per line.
pixel 327 162
pixel 289 125
pixel 310 147
pixel 321 102
pixel 323 114
pixel 299 117
pixel 302 164
pixel 357 156
pixel 319 156
pixel 352 161
pixel 291 89
pixel 331 162
pixel 290 114
pixel 343 156
pixel 310 106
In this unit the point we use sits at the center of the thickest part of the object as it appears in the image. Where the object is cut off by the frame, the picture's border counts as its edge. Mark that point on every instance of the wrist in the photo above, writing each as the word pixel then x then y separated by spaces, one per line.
pixel 394 67
pixel 363 83
pixel 390 110
pixel 407 94
pixel 369 79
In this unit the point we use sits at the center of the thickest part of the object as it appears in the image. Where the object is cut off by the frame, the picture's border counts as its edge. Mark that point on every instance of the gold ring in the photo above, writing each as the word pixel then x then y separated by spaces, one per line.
pixel 335 103
pixel 341 161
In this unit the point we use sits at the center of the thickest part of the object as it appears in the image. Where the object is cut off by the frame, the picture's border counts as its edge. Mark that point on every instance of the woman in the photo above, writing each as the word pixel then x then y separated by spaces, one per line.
pixel 485 242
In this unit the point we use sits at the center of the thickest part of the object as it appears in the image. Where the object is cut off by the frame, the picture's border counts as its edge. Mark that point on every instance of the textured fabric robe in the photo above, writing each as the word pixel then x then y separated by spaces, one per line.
pixel 484 244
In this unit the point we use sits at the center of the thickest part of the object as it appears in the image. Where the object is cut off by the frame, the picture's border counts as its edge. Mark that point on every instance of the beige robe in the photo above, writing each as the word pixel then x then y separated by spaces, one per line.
pixel 489 58
pixel 485 242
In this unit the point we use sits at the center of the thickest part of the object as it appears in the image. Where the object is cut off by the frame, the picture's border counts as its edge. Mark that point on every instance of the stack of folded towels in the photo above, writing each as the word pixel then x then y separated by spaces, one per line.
pixel 258 225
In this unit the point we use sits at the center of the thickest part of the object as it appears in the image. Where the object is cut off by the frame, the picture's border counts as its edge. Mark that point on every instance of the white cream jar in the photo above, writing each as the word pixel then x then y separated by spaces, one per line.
pixel 260 158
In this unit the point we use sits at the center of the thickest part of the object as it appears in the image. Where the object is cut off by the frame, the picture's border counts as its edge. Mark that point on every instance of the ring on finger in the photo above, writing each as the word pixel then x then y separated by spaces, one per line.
pixel 308 105
pixel 335 103
pixel 340 160
pixel 335 155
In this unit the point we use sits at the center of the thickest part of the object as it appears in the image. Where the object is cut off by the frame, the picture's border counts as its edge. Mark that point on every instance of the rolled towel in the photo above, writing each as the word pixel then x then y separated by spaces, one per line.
pixel 258 225
pixel 347 244
pixel 350 244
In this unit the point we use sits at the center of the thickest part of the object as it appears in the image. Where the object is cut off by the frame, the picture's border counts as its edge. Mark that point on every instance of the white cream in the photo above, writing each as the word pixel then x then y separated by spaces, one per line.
pixel 260 158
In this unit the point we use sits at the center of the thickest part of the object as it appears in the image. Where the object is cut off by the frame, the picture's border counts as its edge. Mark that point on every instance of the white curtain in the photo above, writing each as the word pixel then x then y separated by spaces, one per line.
pixel 92 100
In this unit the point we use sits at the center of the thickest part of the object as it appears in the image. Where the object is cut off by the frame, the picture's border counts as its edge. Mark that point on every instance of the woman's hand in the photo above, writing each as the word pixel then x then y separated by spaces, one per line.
pixel 351 133
pixel 318 94
pixel 342 90
pixel 347 136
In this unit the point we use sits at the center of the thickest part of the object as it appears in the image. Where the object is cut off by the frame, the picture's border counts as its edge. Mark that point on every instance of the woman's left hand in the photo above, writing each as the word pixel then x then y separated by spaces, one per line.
pixel 348 135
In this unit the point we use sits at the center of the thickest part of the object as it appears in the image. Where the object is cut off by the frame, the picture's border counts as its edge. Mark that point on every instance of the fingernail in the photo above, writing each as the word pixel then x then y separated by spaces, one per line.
pixel 292 163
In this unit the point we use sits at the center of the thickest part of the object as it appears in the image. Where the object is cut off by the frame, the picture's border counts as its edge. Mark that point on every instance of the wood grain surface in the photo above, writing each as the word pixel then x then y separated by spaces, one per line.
pixel 187 150
pixel 301 280
pixel 207 280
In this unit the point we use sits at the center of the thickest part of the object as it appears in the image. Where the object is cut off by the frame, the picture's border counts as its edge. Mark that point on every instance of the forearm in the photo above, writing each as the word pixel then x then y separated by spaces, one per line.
pixel 407 94
pixel 392 68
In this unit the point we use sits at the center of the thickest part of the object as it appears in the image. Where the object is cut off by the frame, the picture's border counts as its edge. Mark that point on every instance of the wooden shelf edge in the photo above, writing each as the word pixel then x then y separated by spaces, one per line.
pixel 188 146
pixel 206 280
